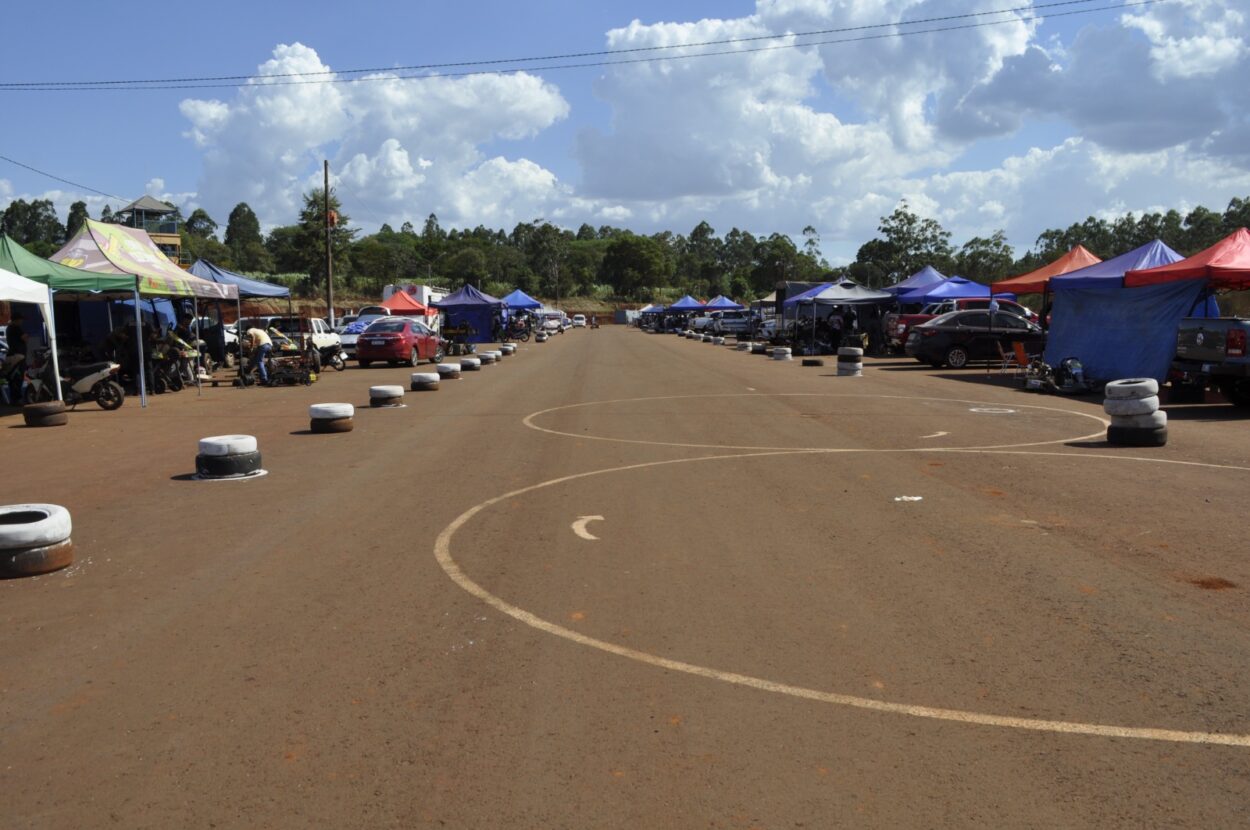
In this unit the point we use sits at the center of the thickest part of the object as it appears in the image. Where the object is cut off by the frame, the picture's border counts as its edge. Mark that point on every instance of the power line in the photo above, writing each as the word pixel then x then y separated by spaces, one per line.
pixel 215 82
pixel 63 181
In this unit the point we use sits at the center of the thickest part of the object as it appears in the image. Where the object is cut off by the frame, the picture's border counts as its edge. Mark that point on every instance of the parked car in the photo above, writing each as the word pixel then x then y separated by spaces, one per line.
pixel 553 322
pixel 701 322
pixel 1214 351
pixel 350 333
pixel 897 326
pixel 207 329
pixel 398 340
pixel 732 322
pixel 297 328
pixel 958 337
pixel 579 321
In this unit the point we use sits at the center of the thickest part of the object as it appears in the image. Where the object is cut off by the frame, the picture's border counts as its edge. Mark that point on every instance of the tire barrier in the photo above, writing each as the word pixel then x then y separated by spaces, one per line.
pixel 424 381
pixel 449 371
pixel 34 539
pixel 718 341
pixel 331 417
pixel 471 364
pixel 50 414
pixel 1136 420
pixel 782 353
pixel 382 396
pixel 850 362
pixel 509 349
pixel 541 337
pixel 813 361
pixel 487 358
pixel 744 346
pixel 227 457
pixel 706 338
pixel 759 348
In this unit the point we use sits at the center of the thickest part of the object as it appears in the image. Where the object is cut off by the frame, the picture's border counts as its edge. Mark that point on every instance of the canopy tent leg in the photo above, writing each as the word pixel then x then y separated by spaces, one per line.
pixel 238 328
pixel 56 361
pixel 198 368
pixel 143 378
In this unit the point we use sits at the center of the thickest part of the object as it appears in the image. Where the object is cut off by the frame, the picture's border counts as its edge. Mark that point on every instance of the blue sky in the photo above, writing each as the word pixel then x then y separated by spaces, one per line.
pixel 1019 127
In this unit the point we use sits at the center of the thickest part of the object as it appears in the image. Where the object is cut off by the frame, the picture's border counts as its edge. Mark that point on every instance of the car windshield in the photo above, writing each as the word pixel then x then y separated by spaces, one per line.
pixel 386 324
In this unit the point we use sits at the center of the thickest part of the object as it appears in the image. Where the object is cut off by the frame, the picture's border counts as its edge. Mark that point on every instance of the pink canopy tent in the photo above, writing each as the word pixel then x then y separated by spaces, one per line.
pixel 1226 264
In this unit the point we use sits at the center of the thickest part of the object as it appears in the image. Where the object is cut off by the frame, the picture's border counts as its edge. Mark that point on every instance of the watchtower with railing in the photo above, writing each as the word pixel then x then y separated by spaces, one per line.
pixel 160 220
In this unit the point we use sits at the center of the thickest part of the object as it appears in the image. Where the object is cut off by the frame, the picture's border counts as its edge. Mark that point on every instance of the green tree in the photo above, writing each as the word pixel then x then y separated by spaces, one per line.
pixel 1203 228
pixel 632 264
pixel 985 260
pixel 242 227
pixel 33 224
pixel 200 224
pixel 283 247
pixel 312 223
pixel 467 266
pixel 106 215
pixel 77 214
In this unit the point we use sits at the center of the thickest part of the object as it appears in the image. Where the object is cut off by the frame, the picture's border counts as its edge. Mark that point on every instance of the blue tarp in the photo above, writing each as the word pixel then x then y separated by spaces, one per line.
pixel 687 303
pixel 926 277
pixel 722 303
pixel 519 299
pixel 954 288
pixel 472 307
pixel 247 287
pixel 1119 332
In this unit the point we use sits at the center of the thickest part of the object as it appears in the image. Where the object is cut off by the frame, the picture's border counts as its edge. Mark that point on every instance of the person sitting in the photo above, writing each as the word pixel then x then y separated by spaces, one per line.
pixel 260 344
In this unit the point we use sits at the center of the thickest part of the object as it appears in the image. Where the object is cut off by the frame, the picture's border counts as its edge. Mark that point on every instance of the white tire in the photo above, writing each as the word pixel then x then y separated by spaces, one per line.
pixel 850 351
pixel 1152 420
pixel 330 411
pixel 386 391
pixel 33 525
pixel 470 364
pixel 1130 406
pixel 448 367
pixel 227 445
pixel 744 347
pixel 1131 388
pixel 424 377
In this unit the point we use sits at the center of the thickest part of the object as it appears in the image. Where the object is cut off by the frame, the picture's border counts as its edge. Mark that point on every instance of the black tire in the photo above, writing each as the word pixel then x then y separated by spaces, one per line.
pixel 108 395
pixel 328 425
pixel 175 382
pixel 365 364
pixel 37 560
pixel 378 403
pixel 957 357
pixel 58 420
pixel 221 466
pixel 1237 392
pixel 1137 436
pixel 41 409
pixel 813 361
pixel 524 337
pixel 414 358
pixel 439 354
pixel 338 362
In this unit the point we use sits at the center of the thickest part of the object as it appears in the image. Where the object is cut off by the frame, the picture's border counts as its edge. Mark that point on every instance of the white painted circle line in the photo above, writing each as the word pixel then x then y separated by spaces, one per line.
pixel 528 421
pixel 442 552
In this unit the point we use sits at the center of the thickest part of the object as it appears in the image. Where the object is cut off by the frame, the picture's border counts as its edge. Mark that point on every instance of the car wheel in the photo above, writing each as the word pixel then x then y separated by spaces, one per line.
pixel 438 355
pixel 957 357
pixel 414 358
pixel 1237 392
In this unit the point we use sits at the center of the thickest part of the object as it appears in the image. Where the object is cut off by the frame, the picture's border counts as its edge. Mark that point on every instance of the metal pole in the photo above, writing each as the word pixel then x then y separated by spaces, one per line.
pixel 325 209
pixel 238 330
pixel 143 378
pixel 56 363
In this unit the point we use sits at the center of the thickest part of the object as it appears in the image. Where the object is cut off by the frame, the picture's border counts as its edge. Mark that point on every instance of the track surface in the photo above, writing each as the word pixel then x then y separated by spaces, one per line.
pixel 291 652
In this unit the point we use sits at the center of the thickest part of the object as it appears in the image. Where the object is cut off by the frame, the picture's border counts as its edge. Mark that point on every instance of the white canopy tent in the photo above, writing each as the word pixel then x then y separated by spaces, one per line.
pixel 17 289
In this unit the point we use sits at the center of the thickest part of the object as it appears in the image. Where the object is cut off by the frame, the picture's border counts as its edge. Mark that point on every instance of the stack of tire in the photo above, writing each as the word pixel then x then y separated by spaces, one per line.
pixel 325 418
pixel 50 414
pixel 541 337
pixel 1136 420
pixel 471 364
pixel 759 348
pixel 850 362
pixel 384 396
pixel 718 341
pixel 227 456
pixel 782 353
pixel 424 381
pixel 449 371
pixel 34 539
pixel 487 358
pixel 508 349
pixel 744 345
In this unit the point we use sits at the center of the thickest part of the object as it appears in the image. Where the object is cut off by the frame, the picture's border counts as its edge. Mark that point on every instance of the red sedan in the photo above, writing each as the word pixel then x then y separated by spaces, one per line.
pixel 398 340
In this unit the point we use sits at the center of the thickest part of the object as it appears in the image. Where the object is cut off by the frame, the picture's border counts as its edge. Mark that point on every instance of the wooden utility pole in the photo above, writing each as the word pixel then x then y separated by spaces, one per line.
pixel 325 209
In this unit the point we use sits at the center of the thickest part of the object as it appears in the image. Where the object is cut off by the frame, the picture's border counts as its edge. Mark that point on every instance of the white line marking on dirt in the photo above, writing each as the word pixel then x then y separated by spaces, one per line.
pixel 579 527
pixel 935 435
pixel 442 552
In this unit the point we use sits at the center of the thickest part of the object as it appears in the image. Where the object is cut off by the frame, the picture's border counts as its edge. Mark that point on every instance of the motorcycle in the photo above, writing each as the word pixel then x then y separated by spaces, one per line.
pixel 518 330
pixel 86 382
pixel 331 355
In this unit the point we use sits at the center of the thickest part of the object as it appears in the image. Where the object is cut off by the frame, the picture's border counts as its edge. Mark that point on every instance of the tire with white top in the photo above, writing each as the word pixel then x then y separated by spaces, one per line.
pixel 1131 388
pixel 227 444
pixel 1130 406
pixel 1152 420
pixel 759 348
pixel 449 371
pixel 471 364
pixel 33 525
pixel 424 381
pixel 326 418
pixel 487 358
pixel 744 346
pixel 380 396
pixel 781 353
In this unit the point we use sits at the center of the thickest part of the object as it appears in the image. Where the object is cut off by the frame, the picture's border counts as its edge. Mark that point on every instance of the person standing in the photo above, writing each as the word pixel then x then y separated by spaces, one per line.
pixel 261 345
pixel 16 338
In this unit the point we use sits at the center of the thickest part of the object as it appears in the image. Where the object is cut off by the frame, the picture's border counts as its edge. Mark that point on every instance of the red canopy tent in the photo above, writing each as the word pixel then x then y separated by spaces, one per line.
pixel 1226 264
pixel 1035 282
pixel 402 303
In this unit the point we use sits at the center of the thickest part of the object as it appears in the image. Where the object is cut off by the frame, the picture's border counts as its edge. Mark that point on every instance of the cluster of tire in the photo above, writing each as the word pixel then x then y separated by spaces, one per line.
pixel 783 353
pixel 34 539
pixel 49 414
pixel 850 362
pixel 1136 420
pixel 228 457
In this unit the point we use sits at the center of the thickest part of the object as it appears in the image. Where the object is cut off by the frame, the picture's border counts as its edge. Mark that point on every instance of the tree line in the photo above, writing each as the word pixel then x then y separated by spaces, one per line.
pixel 614 263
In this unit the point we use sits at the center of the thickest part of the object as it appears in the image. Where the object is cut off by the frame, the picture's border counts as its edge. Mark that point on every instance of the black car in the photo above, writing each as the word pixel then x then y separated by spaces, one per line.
pixel 954 339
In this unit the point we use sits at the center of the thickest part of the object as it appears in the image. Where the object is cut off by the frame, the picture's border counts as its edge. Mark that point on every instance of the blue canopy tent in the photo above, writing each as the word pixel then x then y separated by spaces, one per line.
pixel 687 303
pixel 248 287
pixel 473 310
pixel 722 303
pixel 954 288
pixel 1119 332
pixel 926 277
pixel 519 299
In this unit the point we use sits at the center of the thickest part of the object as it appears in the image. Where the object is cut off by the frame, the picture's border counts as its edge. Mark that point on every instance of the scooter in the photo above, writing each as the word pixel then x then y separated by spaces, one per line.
pixel 88 382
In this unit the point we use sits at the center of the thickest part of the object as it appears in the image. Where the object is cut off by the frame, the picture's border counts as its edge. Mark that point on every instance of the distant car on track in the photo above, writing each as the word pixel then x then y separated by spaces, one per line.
pixel 579 321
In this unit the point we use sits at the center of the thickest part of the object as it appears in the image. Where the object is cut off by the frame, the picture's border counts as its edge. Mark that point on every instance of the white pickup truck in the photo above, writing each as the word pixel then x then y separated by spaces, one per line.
pixel 295 327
